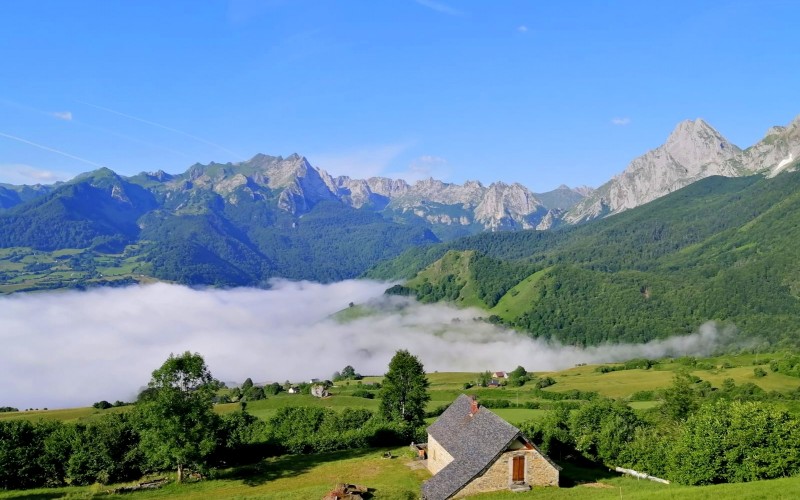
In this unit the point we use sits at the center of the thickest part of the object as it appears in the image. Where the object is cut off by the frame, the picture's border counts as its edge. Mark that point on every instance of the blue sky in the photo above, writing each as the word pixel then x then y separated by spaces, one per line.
pixel 541 93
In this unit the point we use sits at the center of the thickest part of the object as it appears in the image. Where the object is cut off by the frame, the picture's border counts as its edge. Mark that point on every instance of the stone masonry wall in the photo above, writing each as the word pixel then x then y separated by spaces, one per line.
pixel 538 472
pixel 438 458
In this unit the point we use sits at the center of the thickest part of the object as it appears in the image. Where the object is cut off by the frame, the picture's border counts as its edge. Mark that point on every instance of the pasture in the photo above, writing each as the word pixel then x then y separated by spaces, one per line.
pixel 303 477
pixel 446 386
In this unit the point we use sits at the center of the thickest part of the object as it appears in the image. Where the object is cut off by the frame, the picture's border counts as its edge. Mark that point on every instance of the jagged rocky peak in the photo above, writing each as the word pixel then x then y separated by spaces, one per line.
pixel 697 142
pixel 776 130
pixel 693 151
pixel 388 187
pixel 160 175
pixel 583 190
pixel 509 206
pixel 778 151
pixel 282 172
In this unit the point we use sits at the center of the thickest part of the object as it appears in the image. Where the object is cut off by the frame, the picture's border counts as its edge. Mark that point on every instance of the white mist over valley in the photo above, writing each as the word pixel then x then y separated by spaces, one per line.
pixel 64 349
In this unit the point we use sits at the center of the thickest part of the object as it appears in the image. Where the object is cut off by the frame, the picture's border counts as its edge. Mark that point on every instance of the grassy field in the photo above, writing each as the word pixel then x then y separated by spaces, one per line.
pixel 446 386
pixel 312 476
pixel 29 270
pixel 64 415
pixel 302 477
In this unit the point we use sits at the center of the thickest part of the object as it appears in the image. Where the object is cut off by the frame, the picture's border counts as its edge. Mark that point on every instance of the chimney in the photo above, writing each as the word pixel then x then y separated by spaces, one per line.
pixel 473 406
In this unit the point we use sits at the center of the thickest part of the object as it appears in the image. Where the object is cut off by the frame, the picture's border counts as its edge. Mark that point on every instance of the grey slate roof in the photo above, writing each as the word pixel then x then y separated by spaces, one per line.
pixel 474 442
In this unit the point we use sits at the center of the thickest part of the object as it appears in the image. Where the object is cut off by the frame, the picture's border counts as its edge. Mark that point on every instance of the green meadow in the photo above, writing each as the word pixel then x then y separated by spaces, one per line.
pixel 446 386
pixel 303 477
pixel 312 476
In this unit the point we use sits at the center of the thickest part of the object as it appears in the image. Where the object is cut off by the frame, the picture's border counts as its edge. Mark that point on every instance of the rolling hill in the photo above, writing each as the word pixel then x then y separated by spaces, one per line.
pixel 721 249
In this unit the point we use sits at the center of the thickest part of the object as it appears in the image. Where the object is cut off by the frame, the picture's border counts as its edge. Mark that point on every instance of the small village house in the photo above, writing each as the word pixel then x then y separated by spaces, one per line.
pixel 471 450
pixel 500 375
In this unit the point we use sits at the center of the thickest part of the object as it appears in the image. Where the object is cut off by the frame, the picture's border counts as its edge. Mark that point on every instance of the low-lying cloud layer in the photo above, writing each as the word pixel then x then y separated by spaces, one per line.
pixel 74 348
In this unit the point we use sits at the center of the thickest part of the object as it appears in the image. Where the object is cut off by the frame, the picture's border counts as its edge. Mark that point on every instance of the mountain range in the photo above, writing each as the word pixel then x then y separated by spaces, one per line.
pixel 242 223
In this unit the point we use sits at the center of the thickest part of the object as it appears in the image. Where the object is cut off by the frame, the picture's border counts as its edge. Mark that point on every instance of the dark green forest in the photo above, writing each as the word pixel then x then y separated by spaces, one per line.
pixel 722 249
pixel 195 236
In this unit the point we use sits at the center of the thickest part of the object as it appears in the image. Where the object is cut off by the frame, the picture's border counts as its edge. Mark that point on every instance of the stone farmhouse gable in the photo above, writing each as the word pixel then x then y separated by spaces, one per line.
pixel 471 450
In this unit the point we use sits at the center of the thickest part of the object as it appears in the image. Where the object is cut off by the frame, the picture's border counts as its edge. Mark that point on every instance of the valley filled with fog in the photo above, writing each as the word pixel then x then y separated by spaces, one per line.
pixel 72 348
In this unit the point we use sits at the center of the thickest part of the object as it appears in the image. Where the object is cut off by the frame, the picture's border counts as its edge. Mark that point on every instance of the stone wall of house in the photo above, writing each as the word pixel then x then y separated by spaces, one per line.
pixel 438 458
pixel 538 472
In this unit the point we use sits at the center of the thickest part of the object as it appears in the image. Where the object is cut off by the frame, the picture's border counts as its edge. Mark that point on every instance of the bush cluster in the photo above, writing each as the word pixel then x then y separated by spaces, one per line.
pixel 107 450
pixel 697 436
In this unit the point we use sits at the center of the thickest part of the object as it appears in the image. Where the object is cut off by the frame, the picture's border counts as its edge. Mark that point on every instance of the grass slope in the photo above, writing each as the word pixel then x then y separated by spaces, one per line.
pixel 720 249
pixel 311 476
pixel 446 386
pixel 302 477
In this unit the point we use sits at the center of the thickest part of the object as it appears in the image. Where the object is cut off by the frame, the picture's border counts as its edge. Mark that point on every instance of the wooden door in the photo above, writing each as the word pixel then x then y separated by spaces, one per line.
pixel 518 470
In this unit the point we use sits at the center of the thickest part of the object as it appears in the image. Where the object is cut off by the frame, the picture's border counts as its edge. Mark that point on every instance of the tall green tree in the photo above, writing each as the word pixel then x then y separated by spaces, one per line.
pixel 177 423
pixel 603 428
pixel 404 390
pixel 680 399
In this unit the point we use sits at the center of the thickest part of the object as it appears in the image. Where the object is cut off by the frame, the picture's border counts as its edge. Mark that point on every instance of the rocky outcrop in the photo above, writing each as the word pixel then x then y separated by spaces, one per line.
pixel 693 151
pixel 777 151
pixel 299 187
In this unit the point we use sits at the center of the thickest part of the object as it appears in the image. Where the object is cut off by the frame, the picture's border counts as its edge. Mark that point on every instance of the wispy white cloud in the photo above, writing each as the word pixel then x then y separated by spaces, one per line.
pixel 63 115
pixel 621 121
pixel 18 173
pixel 104 343
pixel 360 163
pixel 522 29
pixel 440 7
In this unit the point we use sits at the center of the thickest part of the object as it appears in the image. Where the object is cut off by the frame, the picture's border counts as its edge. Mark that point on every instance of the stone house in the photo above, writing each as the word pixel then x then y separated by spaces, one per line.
pixel 471 450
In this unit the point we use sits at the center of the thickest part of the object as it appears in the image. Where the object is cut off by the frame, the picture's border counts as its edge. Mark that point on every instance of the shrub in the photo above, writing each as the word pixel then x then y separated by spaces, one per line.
pixel 735 442
pixel 545 382
pixel 363 393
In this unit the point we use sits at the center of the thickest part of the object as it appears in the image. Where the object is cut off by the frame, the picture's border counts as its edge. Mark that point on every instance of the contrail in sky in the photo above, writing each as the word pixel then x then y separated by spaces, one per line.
pixel 165 127
pixel 67 116
pixel 47 148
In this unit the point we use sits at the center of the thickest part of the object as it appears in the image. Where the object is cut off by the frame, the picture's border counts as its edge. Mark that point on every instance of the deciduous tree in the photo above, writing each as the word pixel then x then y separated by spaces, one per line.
pixel 404 392
pixel 177 423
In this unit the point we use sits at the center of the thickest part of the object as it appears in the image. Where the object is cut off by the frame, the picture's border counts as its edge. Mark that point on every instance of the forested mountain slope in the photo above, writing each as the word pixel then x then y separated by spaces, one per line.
pixel 241 224
pixel 721 249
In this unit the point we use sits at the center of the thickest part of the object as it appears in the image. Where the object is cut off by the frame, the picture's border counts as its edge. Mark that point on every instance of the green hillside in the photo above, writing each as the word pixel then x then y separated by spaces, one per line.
pixel 186 234
pixel 721 249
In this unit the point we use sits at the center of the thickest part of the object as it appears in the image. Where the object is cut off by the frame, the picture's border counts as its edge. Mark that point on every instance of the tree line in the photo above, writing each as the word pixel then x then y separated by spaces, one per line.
pixel 173 426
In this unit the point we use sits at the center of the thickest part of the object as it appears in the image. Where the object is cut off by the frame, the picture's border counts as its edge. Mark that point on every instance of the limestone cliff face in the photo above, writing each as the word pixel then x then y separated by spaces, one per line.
pixel 299 187
pixel 776 152
pixel 693 151
pixel 509 207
